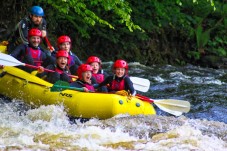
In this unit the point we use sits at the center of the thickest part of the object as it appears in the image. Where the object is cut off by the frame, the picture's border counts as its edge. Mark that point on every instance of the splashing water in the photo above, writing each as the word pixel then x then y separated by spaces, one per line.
pixel 48 128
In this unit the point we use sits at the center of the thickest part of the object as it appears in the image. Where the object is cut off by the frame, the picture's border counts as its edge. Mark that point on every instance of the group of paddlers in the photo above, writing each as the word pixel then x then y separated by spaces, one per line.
pixel 24 45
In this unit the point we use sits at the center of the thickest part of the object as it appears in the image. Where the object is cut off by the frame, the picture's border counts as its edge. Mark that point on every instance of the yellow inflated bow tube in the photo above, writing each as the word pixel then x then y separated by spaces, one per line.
pixel 3 46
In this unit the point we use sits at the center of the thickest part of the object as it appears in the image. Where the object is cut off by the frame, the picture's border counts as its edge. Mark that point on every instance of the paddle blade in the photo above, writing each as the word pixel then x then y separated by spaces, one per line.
pixel 177 105
pixel 8 60
pixel 140 84
pixel 169 110
pixel 173 105
pixel 62 85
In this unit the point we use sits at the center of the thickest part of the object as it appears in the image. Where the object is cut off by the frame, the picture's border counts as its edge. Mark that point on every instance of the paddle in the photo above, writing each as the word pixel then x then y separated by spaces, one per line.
pixel 140 84
pixel 175 107
pixel 62 85
pixel 48 44
pixel 7 60
pixel 172 106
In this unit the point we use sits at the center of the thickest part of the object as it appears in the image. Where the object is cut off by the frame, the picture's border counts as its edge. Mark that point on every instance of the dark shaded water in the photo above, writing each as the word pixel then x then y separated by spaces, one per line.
pixel 204 88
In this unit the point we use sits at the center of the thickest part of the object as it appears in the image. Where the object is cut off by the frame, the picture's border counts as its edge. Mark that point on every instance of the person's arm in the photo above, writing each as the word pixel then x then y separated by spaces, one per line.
pixel 16 53
pixel 93 80
pixel 46 42
pixel 65 77
pixel 45 73
pixel 79 84
pixel 76 59
pixel 105 74
pixel 45 59
pixel 108 80
pixel 23 30
pixel 76 84
pixel 129 85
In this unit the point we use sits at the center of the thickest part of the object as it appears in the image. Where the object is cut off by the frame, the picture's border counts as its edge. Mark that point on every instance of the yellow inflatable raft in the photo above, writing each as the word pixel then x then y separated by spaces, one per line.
pixel 18 84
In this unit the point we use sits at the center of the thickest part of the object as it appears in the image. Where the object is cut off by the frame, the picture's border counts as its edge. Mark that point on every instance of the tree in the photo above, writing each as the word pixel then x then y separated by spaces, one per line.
pixel 87 12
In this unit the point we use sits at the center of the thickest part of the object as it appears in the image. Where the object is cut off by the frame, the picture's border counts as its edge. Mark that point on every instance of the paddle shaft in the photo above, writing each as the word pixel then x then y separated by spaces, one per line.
pixel 35 67
pixel 48 43
pixel 144 98
pixel 8 60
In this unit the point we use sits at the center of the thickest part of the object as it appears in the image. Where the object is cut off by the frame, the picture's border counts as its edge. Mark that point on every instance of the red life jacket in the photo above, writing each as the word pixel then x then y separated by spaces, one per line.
pixel 90 87
pixel 36 55
pixel 117 86
pixel 99 77
pixel 58 70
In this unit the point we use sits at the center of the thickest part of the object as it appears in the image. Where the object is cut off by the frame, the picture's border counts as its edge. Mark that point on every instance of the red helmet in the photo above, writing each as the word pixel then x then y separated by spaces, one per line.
pixel 92 59
pixel 83 68
pixel 120 64
pixel 62 39
pixel 34 32
pixel 62 53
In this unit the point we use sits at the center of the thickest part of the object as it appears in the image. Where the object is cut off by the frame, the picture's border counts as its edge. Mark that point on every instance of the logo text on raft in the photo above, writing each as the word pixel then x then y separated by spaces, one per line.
pixel 66 94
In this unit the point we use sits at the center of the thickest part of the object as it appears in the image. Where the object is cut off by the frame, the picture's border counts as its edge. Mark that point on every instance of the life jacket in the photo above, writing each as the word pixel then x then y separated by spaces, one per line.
pixel 71 60
pixel 58 70
pixel 99 77
pixel 117 85
pixel 90 87
pixel 36 55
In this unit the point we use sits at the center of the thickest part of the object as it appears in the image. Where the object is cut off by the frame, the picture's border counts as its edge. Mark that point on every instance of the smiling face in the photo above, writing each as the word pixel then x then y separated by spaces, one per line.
pixel 62 62
pixel 95 66
pixel 86 76
pixel 35 41
pixel 65 46
pixel 120 72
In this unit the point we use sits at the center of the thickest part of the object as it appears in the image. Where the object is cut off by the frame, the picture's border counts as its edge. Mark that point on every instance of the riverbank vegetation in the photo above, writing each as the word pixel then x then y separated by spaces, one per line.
pixel 148 31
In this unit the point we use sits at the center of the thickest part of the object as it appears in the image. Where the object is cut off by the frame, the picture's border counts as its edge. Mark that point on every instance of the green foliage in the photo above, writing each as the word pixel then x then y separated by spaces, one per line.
pixel 206 22
pixel 218 45
pixel 202 37
pixel 148 31
pixel 195 55
pixel 87 12
pixel 210 2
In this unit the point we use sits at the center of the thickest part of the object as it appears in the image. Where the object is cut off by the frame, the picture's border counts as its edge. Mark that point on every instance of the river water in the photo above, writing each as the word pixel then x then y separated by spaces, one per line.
pixel 204 128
